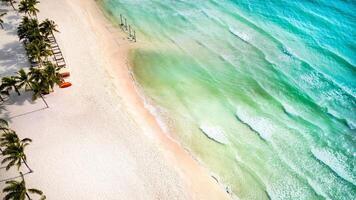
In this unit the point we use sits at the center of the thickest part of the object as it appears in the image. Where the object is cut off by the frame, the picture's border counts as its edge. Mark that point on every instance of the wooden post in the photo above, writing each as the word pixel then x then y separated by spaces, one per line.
pixel 121 23
pixel 125 24
pixel 134 35
pixel 44 101
pixel 129 31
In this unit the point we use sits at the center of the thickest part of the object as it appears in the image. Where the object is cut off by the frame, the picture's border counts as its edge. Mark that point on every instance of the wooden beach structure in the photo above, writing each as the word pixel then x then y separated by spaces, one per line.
pixel 127 28
pixel 57 53
pixel 60 61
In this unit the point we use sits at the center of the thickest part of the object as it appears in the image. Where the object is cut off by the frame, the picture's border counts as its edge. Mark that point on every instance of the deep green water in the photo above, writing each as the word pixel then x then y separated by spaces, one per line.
pixel 272 83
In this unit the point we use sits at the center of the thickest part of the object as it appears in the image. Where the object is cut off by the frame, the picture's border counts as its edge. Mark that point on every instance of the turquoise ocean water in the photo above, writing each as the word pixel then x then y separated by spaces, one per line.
pixel 262 92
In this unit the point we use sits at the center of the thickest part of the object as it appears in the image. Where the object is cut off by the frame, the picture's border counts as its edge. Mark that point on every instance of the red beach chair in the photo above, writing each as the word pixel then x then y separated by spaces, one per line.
pixel 65 85
pixel 64 74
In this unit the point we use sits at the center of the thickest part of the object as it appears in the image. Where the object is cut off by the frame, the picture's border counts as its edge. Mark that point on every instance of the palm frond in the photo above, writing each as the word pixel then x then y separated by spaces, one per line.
pixel 10 165
pixel 26 140
pixel 3 123
pixel 35 191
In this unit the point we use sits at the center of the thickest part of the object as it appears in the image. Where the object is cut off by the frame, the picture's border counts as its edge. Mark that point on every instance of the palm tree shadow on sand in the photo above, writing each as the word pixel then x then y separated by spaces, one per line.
pixel 11 22
pixel 7 113
pixel 12 58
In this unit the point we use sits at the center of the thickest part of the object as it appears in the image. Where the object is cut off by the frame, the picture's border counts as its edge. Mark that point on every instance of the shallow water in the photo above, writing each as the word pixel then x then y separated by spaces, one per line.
pixel 262 92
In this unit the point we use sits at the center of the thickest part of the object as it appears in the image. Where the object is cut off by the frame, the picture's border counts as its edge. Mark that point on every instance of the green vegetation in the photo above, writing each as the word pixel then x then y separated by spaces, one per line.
pixel 47 27
pixel 17 190
pixel 28 7
pixel 9 83
pixel 13 151
pixel 43 74
pixel 35 35
pixel 40 78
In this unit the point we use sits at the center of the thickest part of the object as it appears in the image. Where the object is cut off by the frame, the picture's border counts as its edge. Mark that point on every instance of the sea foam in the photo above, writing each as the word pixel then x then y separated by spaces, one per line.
pixel 336 162
pixel 214 133
pixel 260 125
pixel 243 36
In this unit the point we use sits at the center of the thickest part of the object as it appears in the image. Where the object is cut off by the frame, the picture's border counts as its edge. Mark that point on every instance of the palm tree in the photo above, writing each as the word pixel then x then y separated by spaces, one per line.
pixel 25 80
pixel 17 190
pixel 14 154
pixel 3 124
pixel 1 20
pixel 51 75
pixel 47 27
pixel 4 127
pixel 27 24
pixel 43 80
pixel 38 90
pixel 38 84
pixel 29 7
pixel 8 138
pixel 11 2
pixel 35 74
pixel 46 77
pixel 28 30
pixel 38 50
pixel 9 83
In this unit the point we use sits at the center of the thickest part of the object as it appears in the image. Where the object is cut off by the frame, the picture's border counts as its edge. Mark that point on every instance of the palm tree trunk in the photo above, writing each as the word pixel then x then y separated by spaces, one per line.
pixel 24 161
pixel 44 101
pixel 28 196
pixel 17 90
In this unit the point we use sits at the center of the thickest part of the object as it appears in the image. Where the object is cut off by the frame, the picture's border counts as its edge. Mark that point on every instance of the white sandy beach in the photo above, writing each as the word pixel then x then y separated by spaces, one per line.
pixel 96 141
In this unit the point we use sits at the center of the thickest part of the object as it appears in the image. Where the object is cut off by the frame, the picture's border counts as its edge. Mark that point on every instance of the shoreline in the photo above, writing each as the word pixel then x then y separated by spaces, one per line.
pixel 97 140
pixel 138 103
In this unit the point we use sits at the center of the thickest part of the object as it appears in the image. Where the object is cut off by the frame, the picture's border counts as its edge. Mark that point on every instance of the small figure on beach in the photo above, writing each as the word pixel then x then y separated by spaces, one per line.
pixel 228 189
